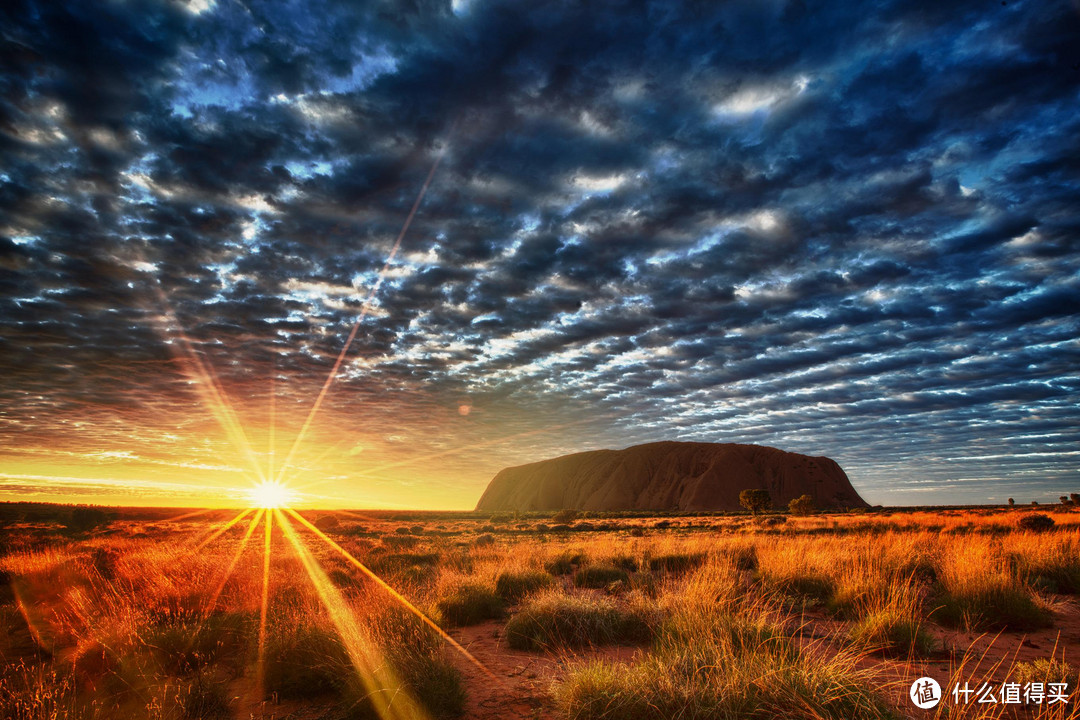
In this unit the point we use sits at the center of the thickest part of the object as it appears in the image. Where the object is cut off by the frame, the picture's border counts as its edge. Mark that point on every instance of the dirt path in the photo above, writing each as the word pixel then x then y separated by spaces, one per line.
pixel 521 687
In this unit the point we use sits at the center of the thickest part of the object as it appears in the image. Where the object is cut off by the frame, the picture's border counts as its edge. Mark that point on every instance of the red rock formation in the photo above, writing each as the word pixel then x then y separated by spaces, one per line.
pixel 684 476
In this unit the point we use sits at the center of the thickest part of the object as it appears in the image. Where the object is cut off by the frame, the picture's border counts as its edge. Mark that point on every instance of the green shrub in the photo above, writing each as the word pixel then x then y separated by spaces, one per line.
pixel 1057 570
pixel 416 652
pixel 513 586
pixel 744 557
pixel 203 700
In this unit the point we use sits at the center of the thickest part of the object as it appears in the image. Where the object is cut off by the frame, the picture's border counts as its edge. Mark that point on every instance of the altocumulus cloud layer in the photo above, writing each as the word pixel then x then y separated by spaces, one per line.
pixel 846 229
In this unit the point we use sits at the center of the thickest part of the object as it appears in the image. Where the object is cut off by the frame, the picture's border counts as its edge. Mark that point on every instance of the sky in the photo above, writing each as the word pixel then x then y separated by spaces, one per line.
pixel 840 229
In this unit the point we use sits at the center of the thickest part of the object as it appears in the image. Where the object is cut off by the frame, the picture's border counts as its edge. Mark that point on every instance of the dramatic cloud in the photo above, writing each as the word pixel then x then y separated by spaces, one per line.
pixel 842 229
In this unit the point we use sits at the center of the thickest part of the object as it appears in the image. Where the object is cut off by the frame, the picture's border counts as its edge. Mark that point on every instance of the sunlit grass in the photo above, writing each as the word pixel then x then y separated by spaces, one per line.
pixel 124 623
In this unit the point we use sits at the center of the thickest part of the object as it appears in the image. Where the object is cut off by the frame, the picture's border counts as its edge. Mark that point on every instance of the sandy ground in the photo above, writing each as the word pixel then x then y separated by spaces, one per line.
pixel 519 686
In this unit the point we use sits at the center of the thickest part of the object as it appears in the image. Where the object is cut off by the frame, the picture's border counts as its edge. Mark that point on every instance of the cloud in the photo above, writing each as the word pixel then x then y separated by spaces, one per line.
pixel 845 231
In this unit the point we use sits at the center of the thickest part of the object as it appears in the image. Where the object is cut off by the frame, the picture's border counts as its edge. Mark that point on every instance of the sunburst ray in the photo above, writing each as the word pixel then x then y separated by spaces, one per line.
pixel 401 599
pixel 383 689
pixel 235 559
pixel 300 436
pixel 264 605
pixel 221 531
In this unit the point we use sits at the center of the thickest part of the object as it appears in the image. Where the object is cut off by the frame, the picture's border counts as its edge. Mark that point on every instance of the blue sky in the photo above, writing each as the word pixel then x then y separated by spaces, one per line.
pixel 843 229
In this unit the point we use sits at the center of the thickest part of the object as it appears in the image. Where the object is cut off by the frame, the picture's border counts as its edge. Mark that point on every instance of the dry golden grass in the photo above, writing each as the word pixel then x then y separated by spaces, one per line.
pixel 827 616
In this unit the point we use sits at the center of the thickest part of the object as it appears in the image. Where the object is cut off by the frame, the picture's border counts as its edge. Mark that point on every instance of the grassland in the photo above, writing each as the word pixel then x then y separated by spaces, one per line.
pixel 151 614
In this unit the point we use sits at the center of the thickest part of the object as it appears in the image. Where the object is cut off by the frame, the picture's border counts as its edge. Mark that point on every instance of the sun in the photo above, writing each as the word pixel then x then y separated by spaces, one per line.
pixel 269 495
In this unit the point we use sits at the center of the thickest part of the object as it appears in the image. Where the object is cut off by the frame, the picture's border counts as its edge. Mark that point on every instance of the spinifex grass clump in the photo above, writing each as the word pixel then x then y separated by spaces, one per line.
pixel 469 603
pixel 306 660
pixel 895 629
pixel 676 562
pixel 1048 563
pixel 553 619
pixel 396 561
pixel 513 586
pixel 311 660
pixel 184 647
pixel 979 592
pixel 565 562
pixel 721 665
pixel 418 654
pixel 600 576
pixel 796 572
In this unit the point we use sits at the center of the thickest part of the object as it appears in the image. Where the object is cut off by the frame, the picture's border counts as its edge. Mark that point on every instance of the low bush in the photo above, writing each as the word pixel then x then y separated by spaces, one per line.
pixel 397 561
pixel 894 632
pixel 717 666
pixel 416 652
pixel 84 519
pixel 809 587
pixel 600 576
pixel 993 606
pixel 552 620
pixel 513 586
pixel 327 522
pixel 306 662
pixel 1049 567
pixel 469 604
pixel 802 505
pixel 564 563
pixel 676 563
pixel 1036 522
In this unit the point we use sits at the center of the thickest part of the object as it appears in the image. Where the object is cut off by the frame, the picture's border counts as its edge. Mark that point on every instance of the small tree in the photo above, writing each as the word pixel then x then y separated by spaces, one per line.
pixel 1012 502
pixel 803 505
pixel 1075 497
pixel 755 500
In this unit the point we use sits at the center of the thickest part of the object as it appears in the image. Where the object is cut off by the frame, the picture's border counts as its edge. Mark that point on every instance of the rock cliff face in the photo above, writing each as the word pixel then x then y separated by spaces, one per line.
pixel 684 476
